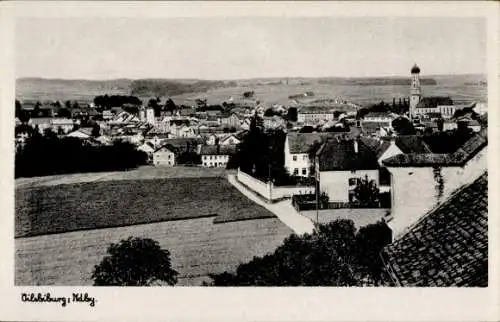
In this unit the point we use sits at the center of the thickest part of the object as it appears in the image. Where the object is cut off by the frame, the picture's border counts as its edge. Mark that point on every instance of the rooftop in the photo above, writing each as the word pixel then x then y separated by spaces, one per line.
pixel 218 149
pixel 301 142
pixel 467 151
pixel 434 101
pixel 339 155
pixel 448 246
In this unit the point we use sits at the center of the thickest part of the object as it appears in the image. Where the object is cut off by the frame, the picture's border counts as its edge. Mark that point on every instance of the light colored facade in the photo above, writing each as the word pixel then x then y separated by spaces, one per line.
pixel 231 121
pixel 214 160
pixel 415 90
pixel 449 125
pixel 339 185
pixel 297 164
pixel 163 157
pixel 378 117
pixel 415 190
pixel 446 111
pixel 313 117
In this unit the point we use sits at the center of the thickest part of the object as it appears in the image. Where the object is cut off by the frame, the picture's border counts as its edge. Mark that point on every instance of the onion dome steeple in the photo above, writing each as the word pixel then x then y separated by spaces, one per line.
pixel 415 69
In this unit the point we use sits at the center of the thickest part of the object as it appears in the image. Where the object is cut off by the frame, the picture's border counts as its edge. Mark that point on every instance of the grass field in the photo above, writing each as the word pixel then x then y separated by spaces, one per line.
pixel 83 206
pixel 144 172
pixel 198 247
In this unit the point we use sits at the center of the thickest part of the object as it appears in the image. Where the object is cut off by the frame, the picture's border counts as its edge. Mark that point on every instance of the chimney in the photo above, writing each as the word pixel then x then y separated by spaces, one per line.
pixel 355 145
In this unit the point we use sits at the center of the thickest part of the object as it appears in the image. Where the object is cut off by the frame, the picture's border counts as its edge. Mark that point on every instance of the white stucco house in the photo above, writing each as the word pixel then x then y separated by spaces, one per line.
pixel 216 156
pixel 163 156
pixel 341 163
pixel 420 182
pixel 297 147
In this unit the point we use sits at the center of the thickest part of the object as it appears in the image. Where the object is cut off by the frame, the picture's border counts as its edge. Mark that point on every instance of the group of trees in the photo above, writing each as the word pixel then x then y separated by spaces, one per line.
pixel 401 107
pixel 48 154
pixel 261 154
pixel 106 102
pixel 335 254
pixel 169 106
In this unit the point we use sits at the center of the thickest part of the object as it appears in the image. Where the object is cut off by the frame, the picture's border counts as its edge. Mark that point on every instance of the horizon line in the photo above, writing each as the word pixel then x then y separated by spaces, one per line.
pixel 241 79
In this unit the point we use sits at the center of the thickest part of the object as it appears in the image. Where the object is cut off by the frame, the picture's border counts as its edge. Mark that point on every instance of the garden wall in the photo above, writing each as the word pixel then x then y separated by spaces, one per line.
pixel 270 192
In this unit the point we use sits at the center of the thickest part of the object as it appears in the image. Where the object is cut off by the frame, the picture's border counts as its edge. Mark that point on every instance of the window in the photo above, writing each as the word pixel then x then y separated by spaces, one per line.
pixel 353 181
pixel 294 158
pixel 220 164
pixel 295 171
pixel 304 157
pixel 304 171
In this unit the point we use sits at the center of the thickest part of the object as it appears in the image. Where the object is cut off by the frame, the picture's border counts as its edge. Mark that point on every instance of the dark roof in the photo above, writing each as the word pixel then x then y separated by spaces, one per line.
pixel 169 147
pixel 301 142
pixel 371 127
pixel 412 144
pixel 448 246
pixel 406 143
pixel 183 142
pixel 434 101
pixel 415 69
pixel 458 158
pixel 377 114
pixel 218 149
pixel 338 154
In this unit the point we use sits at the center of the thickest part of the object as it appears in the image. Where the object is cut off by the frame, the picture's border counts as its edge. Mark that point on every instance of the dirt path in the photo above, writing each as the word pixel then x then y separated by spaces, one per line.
pixel 283 209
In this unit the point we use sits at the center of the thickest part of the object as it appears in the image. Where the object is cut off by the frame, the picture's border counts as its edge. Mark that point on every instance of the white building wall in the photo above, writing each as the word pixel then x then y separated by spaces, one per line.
pixel 219 161
pixel 336 183
pixel 391 151
pixel 164 158
pixel 415 191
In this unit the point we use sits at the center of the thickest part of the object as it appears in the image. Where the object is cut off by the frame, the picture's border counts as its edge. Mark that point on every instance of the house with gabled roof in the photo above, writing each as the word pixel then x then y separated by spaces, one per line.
pixel 341 163
pixel 432 178
pixel 297 147
pixel 214 156
pixel 448 246
pixel 164 156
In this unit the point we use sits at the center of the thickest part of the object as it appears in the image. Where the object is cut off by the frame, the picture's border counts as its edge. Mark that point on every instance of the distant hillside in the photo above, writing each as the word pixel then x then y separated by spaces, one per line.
pixel 163 87
pixel 41 89
pixel 272 90
pixel 375 81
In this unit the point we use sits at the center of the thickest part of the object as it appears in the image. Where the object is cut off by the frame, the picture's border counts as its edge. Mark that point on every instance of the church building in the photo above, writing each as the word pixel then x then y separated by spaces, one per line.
pixel 419 105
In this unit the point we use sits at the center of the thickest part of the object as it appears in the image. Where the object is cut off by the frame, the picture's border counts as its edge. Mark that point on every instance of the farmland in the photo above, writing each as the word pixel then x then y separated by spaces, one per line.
pixel 266 91
pixel 143 172
pixel 198 247
pixel 103 204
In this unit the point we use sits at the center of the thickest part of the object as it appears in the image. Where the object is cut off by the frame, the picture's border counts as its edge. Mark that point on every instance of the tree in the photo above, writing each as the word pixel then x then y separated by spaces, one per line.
pixel 68 105
pixel 96 130
pixel 292 114
pixel 327 257
pixel 403 126
pixel 36 109
pixel 370 241
pixel 366 192
pixel 135 262
pixel 19 109
pixel 170 105
pixel 248 94
pixel 440 124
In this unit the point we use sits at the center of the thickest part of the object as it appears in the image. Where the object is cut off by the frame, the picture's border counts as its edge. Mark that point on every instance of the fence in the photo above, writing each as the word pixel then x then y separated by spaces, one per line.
pixel 308 202
pixel 269 191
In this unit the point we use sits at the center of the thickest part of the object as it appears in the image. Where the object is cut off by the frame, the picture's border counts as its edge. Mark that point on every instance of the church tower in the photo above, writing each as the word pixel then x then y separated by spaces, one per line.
pixel 415 90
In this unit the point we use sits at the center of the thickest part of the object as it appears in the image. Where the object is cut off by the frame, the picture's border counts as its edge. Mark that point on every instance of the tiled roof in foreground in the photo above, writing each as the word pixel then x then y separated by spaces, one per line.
pixel 459 158
pixel 448 246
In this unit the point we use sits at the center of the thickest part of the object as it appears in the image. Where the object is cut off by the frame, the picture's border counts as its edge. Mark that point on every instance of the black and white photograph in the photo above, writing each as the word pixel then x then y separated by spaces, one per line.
pixel 251 150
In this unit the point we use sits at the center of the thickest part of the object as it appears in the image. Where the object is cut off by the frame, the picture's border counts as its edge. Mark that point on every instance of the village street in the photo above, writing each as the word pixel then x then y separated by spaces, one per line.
pixel 282 209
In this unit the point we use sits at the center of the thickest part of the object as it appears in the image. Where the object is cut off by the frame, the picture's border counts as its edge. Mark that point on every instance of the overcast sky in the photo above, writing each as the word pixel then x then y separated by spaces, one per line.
pixel 230 48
